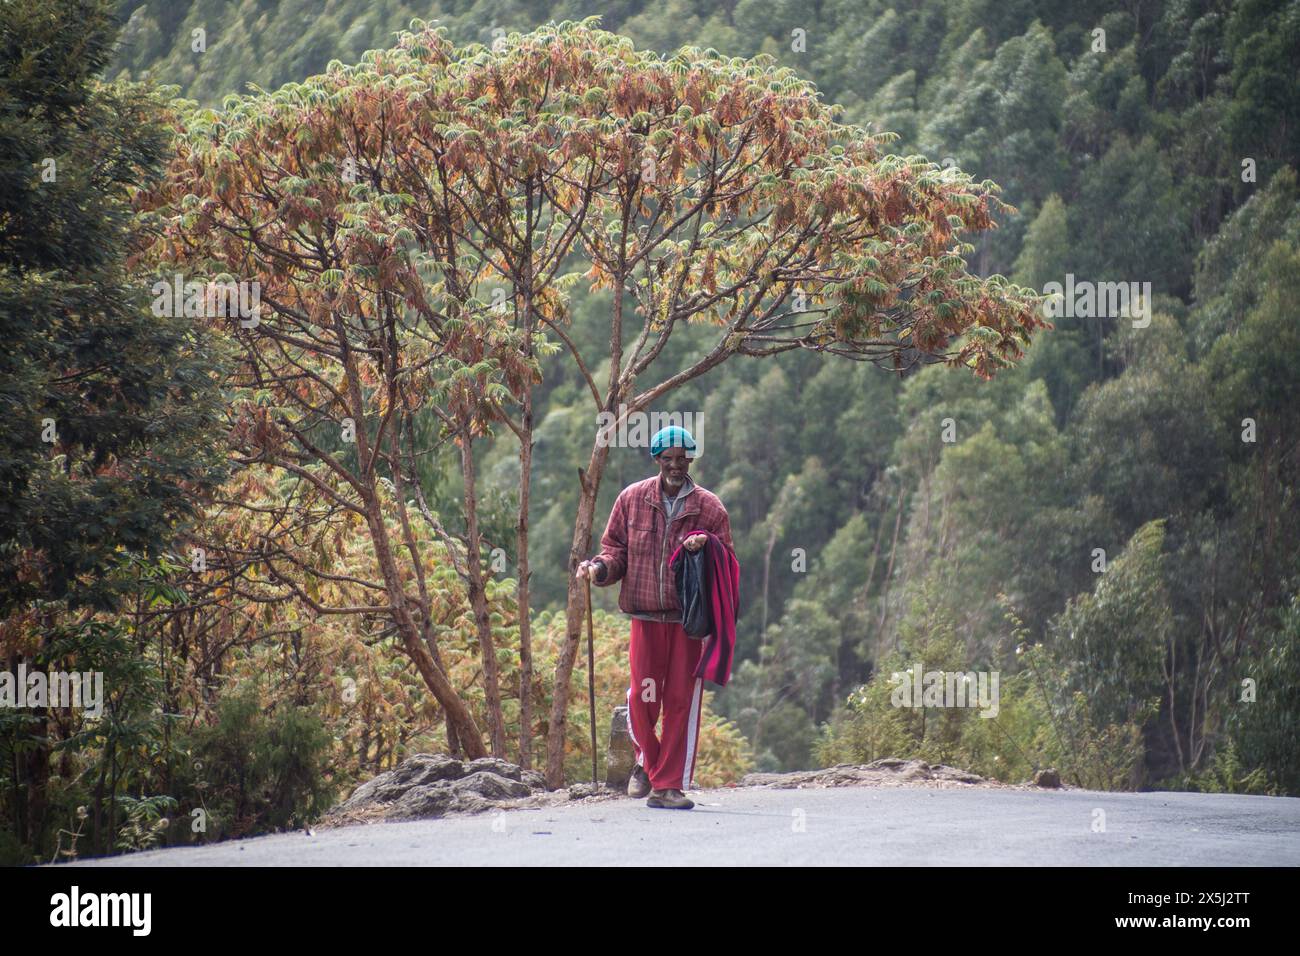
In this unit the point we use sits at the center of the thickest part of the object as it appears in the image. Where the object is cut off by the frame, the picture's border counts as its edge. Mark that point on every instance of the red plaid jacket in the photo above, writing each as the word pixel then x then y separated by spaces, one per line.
pixel 638 542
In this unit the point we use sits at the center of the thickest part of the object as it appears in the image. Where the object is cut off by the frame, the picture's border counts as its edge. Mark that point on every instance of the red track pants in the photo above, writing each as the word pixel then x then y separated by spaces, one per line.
pixel 663 660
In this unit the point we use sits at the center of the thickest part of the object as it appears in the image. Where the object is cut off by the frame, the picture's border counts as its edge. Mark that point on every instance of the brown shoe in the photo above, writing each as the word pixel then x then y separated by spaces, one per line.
pixel 638 785
pixel 669 799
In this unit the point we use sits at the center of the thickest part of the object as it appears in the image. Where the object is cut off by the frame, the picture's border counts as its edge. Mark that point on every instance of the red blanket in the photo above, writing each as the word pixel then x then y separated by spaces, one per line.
pixel 723 573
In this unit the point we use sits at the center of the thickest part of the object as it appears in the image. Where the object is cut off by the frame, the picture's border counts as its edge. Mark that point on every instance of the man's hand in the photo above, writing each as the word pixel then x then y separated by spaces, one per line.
pixel 695 542
pixel 589 569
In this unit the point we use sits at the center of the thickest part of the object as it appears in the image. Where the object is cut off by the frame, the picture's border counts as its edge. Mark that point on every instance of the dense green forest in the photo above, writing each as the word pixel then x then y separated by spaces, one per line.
pixel 1109 522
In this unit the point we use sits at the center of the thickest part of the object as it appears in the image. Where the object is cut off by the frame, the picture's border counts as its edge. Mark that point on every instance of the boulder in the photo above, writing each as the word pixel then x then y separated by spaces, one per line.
pixel 433 785
pixel 1048 779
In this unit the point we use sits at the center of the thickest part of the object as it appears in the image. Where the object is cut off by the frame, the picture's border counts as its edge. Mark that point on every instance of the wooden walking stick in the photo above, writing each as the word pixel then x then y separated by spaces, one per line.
pixel 591 681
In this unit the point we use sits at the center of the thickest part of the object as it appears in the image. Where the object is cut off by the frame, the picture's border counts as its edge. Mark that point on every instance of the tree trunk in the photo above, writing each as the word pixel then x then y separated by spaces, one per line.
pixel 767 569
pixel 97 816
pixel 478 600
pixel 435 679
pixel 524 290
pixel 889 570
pixel 467 731
pixel 576 605
pixel 37 771
pixel 112 795
pixel 522 598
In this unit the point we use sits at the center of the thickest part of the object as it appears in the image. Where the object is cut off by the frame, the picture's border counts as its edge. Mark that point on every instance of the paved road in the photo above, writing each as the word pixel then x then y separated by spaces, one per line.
pixel 846 825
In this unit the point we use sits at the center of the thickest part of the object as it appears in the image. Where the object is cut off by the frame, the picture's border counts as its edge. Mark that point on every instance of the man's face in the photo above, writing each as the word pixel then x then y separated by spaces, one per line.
pixel 673 465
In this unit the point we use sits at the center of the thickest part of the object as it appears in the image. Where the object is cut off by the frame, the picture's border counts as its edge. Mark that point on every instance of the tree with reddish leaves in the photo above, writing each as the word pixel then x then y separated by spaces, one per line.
pixel 419 221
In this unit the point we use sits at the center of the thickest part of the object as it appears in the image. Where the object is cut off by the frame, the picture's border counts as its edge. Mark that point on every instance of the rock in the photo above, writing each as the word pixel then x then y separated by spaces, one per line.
pixel 578 791
pixel 416 771
pixel 502 768
pixel 886 763
pixel 888 771
pixel 781 780
pixel 493 786
pixel 915 770
pixel 421 802
pixel 432 785
pixel 1048 778
pixel 468 801
pixel 424 768
pixel 960 776
pixel 620 756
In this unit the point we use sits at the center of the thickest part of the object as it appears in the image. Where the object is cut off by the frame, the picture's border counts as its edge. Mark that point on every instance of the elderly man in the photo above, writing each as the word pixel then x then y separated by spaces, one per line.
pixel 649 520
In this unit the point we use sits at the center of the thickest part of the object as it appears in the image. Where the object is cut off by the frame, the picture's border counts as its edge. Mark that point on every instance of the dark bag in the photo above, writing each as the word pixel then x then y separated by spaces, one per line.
pixel 691 573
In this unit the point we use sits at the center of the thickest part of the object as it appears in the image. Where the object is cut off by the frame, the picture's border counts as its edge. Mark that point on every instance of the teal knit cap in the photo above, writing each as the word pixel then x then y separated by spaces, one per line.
pixel 674 436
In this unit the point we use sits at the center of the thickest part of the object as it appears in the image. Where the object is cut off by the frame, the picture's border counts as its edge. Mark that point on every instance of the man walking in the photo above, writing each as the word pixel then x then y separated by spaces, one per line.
pixel 649 520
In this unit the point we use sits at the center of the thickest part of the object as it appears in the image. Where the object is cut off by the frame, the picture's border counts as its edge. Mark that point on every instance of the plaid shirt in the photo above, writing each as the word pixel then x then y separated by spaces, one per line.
pixel 639 540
